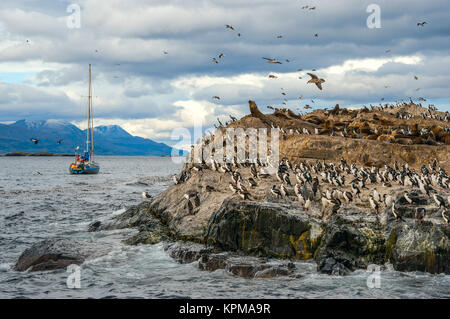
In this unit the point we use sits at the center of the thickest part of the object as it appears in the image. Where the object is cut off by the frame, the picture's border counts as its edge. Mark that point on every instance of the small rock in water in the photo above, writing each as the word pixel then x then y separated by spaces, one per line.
pixel 57 253
pixel 94 226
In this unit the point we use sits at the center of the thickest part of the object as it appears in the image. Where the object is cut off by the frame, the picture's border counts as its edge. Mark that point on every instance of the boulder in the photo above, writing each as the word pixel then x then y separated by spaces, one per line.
pixel 58 253
pixel 265 229
pixel 424 247
pixel 186 253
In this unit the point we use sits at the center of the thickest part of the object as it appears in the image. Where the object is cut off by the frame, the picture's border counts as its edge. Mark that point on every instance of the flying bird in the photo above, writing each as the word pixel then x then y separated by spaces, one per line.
pixel 271 76
pixel 415 77
pixel 34 140
pixel 314 79
pixel 229 26
pixel 316 35
pixel 216 97
pixel 59 141
pixel 272 61
pixel 221 55
pixel 215 60
pixel 279 36
pixel 421 24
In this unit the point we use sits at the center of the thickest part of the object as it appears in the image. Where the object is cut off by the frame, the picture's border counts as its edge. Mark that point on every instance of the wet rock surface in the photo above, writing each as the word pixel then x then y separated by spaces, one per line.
pixel 151 229
pixel 339 243
pixel 186 253
pixel 246 266
pixel 57 253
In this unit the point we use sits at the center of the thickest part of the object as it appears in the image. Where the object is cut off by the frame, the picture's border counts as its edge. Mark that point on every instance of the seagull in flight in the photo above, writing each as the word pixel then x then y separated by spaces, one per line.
pixel 421 24
pixel 272 61
pixel 34 140
pixel 315 79
pixel 229 26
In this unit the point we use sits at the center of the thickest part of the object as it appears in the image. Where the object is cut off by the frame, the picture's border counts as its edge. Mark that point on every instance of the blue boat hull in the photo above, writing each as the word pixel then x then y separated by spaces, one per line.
pixel 85 170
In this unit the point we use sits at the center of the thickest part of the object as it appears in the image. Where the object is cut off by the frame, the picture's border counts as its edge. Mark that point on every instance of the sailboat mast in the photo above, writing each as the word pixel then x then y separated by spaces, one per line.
pixel 92 118
pixel 89 113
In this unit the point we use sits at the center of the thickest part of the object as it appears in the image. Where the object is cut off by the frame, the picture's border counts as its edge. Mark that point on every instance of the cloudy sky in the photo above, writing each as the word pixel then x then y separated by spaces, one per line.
pixel 44 63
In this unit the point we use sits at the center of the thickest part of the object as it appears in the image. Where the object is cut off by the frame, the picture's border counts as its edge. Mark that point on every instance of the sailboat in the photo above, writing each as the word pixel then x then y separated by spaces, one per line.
pixel 85 164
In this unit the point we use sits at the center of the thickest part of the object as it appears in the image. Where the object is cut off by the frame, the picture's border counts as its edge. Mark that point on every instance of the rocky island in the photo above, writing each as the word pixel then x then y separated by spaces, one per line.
pixel 352 188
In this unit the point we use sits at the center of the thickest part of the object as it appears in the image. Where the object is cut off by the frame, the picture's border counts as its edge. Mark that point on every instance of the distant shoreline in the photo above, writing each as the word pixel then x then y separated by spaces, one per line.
pixel 48 154
pixel 33 154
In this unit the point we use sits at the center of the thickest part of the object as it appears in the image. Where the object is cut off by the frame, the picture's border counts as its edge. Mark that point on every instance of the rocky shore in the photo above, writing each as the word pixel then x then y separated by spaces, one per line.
pixel 262 235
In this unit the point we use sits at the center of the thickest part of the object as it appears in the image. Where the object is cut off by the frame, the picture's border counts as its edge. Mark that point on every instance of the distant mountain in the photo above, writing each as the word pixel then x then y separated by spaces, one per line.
pixel 109 140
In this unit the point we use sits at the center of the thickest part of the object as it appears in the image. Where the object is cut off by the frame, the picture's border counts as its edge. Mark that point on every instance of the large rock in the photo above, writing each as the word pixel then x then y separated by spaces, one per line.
pixel 351 240
pixel 344 242
pixel 57 253
pixel 413 247
pixel 265 229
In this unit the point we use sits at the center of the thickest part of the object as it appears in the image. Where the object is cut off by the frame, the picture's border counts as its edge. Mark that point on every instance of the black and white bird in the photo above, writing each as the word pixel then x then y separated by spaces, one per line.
pixel 276 192
pixel 336 204
pixel 233 187
pixel 373 203
pixel 356 190
pixel 252 182
pixel 146 195
pixel 244 195
pixel 189 206
pixel 439 200
pixel 283 190
pixel 446 216
pixel 34 140
pixel 347 196
pixel 419 214
pixel 388 200
pixel 396 213
pixel 376 195
pixel 307 204
pixel 408 198
pixel 194 196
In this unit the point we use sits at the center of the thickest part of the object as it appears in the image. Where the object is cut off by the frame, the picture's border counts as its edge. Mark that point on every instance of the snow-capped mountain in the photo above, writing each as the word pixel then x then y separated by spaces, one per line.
pixel 109 140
